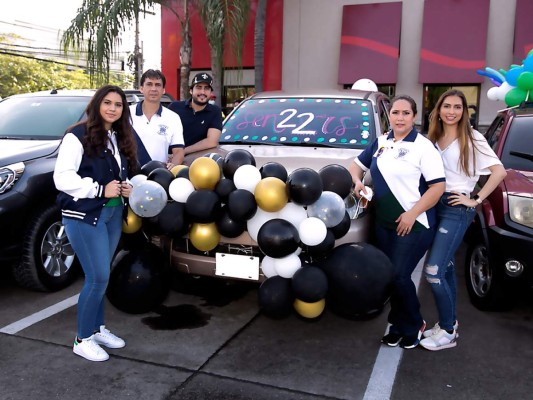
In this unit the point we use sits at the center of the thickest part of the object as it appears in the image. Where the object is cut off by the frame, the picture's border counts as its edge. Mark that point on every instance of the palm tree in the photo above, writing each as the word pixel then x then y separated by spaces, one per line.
pixel 219 17
pixel 259 44
pixel 97 27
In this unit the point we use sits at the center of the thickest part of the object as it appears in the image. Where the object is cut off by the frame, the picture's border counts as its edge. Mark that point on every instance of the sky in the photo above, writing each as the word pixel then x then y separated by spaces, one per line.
pixel 41 20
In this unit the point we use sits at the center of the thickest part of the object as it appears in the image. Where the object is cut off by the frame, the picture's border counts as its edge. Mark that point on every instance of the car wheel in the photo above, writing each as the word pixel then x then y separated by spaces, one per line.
pixel 48 261
pixel 485 286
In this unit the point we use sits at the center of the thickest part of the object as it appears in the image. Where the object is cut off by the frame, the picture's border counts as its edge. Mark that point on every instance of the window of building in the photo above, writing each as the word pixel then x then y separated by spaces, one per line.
pixel 433 92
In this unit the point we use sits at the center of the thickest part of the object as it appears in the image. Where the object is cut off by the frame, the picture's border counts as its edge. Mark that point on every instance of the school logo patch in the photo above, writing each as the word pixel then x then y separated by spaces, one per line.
pixel 162 130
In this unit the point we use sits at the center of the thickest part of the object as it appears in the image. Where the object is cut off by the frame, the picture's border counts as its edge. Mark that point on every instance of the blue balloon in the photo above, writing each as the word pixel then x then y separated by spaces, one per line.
pixel 512 75
pixel 528 63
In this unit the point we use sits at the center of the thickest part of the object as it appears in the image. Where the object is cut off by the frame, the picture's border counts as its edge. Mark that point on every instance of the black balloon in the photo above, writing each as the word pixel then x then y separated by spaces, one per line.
pixel 235 159
pixel 151 165
pixel 203 206
pixel 342 227
pixel 275 297
pixel 139 279
pixel 322 249
pixel 309 284
pixel 162 176
pixel 336 178
pixel 278 238
pixel 275 170
pixel 171 220
pixel 223 188
pixel 304 186
pixel 241 205
pixel 229 227
pixel 360 278
pixel 183 173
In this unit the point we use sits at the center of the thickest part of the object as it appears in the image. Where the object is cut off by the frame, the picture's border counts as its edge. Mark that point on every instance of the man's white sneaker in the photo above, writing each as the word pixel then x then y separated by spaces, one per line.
pixel 440 340
pixel 107 339
pixel 89 350
pixel 436 328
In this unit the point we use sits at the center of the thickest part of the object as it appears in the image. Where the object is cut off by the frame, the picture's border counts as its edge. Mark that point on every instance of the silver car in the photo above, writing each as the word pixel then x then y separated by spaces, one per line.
pixel 296 129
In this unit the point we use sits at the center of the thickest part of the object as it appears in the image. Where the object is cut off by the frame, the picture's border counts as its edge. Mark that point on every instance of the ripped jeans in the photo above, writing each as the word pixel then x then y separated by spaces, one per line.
pixel 439 269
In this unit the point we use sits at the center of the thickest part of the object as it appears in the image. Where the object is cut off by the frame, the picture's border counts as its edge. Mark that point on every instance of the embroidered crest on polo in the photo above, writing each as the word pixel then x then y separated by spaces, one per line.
pixel 401 153
pixel 162 130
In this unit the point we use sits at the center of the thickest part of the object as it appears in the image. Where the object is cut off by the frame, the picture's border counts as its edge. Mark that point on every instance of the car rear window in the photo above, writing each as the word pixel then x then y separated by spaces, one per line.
pixel 40 118
pixel 519 140
pixel 330 122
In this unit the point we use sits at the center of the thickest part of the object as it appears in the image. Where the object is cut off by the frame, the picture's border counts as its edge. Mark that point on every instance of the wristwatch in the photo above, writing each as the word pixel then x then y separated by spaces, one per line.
pixel 477 199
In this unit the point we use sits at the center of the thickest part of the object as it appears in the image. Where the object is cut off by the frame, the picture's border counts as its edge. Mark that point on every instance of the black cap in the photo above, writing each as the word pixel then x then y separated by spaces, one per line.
pixel 202 77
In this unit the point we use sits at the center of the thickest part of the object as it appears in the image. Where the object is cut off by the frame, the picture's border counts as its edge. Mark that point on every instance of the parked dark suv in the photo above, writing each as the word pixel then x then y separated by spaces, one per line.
pixel 32 238
pixel 500 252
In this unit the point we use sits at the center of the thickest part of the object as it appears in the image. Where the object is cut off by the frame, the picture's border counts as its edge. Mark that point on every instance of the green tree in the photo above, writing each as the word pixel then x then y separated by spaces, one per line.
pixel 23 74
pixel 97 27
pixel 220 17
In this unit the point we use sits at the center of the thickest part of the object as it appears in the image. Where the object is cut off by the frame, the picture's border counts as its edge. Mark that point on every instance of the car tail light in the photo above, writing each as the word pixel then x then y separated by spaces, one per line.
pixel 9 175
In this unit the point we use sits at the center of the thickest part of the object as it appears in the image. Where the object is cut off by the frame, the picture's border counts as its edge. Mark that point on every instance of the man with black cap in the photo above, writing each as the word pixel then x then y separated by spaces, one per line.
pixel 202 122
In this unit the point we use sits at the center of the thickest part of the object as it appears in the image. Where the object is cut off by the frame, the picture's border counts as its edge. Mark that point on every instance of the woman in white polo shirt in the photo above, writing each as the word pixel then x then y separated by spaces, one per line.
pixel 466 155
pixel 408 178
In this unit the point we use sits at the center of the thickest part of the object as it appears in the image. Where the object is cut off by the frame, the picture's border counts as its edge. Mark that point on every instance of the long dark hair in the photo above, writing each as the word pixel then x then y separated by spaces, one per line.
pixel 96 138
pixel 464 130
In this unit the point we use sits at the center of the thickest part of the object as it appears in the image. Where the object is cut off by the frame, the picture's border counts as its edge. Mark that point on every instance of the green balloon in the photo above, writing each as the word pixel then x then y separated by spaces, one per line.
pixel 530 53
pixel 515 96
pixel 525 81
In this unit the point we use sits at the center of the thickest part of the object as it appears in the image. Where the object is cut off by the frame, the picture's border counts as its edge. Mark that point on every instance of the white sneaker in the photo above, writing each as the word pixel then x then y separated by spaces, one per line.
pixel 106 338
pixel 436 328
pixel 440 340
pixel 90 350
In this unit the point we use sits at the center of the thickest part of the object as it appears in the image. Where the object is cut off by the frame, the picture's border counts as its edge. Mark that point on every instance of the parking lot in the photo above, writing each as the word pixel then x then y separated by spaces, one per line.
pixel 209 341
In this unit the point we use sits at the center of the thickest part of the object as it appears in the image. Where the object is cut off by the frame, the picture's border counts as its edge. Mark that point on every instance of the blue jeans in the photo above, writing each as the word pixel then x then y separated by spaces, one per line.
pixel 94 245
pixel 439 269
pixel 404 252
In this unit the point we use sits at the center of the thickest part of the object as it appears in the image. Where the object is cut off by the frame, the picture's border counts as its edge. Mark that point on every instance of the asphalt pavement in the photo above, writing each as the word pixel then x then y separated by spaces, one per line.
pixel 210 341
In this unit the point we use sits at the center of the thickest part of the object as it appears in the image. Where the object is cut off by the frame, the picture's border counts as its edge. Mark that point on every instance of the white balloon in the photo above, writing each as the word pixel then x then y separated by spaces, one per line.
pixel 312 231
pixel 180 189
pixel 268 267
pixel 256 222
pixel 135 180
pixel 498 93
pixel 293 213
pixel 365 84
pixel 287 266
pixel 246 177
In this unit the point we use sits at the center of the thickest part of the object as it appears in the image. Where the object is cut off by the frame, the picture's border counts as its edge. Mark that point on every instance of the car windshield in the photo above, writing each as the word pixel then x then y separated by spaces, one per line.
pixel 329 122
pixel 39 118
pixel 519 140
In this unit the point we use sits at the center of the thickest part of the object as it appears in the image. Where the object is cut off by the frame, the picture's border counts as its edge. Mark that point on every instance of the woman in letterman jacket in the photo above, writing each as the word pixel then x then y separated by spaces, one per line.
pixel 95 158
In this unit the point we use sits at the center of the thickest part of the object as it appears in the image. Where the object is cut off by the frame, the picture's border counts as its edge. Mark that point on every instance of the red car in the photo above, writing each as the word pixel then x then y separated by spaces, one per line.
pixel 500 251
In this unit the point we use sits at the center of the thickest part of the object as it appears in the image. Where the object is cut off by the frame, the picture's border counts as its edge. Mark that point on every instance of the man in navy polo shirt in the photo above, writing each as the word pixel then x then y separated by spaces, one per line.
pixel 202 122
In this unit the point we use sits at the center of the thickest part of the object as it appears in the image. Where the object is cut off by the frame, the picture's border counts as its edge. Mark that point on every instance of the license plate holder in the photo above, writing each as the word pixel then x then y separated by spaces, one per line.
pixel 237 266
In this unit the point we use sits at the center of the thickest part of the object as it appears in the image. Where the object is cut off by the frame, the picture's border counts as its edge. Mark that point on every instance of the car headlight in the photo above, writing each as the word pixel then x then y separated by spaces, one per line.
pixel 521 210
pixel 9 175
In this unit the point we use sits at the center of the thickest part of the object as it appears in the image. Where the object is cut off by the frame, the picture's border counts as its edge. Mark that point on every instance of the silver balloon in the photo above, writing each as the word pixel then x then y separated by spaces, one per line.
pixel 148 198
pixel 329 208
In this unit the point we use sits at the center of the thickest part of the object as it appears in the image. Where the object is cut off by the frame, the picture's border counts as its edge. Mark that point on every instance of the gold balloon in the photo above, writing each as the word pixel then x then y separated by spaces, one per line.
pixel 204 237
pixel 133 222
pixel 270 194
pixel 204 173
pixel 177 168
pixel 309 310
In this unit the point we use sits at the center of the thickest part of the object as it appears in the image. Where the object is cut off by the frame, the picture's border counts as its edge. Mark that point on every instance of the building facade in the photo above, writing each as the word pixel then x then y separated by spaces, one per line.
pixel 415 47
